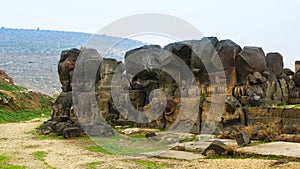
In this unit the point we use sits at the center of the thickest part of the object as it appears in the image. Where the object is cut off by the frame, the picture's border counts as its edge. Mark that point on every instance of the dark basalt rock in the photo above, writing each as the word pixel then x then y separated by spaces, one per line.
pixel 256 78
pixel 288 72
pixel 231 103
pixel 296 79
pixel 250 79
pixel 243 139
pixel 250 59
pixel 71 132
pixel 275 63
pixel 215 148
pixel 65 65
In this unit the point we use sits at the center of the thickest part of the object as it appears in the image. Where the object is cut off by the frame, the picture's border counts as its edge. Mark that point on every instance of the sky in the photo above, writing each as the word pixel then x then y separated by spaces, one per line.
pixel 273 25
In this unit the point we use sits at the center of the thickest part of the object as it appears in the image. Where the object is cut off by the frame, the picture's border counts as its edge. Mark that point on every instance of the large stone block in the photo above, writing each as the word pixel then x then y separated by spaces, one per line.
pixel 143 58
pixel 137 98
pixel 65 65
pixel 62 106
pixel 291 121
pixel 275 63
pixel 250 59
pixel 108 66
pixel 258 115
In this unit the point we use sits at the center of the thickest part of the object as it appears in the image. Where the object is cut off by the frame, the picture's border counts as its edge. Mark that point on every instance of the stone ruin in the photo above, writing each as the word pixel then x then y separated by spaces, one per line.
pixel 255 82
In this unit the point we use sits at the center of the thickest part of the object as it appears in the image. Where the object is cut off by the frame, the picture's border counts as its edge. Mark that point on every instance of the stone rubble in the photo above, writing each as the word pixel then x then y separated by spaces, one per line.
pixel 249 81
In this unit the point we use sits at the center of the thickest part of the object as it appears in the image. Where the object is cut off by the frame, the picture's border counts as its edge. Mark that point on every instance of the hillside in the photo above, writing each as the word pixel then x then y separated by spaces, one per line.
pixel 30 56
pixel 48 42
pixel 17 102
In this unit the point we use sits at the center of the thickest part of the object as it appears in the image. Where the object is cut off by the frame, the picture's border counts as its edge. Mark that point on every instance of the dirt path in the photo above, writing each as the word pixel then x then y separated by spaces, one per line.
pixel 17 142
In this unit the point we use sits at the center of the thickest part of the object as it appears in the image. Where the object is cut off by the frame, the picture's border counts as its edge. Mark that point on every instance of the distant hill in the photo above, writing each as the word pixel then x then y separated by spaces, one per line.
pixel 30 56
pixel 48 42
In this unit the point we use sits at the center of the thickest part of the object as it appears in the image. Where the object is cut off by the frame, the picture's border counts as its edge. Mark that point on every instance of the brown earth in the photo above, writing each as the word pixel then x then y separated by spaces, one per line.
pixel 18 143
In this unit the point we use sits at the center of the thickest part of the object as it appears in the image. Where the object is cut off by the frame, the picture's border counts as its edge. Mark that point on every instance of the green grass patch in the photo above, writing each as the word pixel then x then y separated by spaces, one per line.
pixel 92 165
pixel 190 139
pixel 20 116
pixel 40 155
pixel 10 87
pixel 98 149
pixel 45 101
pixel 4 163
pixel 151 164
pixel 250 156
pixel 138 136
pixel 46 137
pixel 130 146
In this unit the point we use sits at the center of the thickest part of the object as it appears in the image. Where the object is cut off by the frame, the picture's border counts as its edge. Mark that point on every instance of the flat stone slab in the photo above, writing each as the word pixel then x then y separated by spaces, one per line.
pixel 199 146
pixel 182 155
pixel 276 148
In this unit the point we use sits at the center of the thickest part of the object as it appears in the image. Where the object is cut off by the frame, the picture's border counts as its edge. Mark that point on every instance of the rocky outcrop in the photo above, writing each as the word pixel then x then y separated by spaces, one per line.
pixel 230 87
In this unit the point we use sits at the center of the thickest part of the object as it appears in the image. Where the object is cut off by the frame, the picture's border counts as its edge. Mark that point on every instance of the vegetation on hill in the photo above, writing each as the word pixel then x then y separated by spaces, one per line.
pixel 19 104
pixel 47 42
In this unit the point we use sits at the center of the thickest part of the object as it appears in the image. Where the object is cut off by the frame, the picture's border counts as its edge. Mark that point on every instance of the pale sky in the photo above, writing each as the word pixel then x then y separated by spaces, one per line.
pixel 273 25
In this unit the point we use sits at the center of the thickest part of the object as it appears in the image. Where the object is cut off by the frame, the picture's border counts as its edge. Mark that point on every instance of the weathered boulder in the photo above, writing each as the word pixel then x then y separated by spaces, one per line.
pixel 65 65
pixel 86 73
pixel 288 72
pixel 181 50
pixel 231 103
pixel 71 132
pixel 62 107
pixel 255 94
pixel 46 127
pixel 250 59
pixel 291 121
pixel 215 148
pixel 275 63
pixel 108 66
pixel 263 116
pixel 137 98
pixel 204 58
pixel 59 127
pixel 296 79
pixel 100 130
pixel 243 139
pixel 256 78
pixel 143 58
pixel 297 65
pixel 228 51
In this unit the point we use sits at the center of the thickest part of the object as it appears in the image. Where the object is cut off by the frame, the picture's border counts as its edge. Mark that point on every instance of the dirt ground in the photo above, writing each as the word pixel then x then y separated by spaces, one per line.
pixel 18 143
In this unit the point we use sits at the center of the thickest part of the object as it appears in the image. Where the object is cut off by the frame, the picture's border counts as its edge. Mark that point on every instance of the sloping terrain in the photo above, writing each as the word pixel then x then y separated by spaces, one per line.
pixel 49 42
pixel 31 56
pixel 17 102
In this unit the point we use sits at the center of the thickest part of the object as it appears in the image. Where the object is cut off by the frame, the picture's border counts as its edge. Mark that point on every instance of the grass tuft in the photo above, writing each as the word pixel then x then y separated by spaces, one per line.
pixel 98 149
pixel 40 155
pixel 4 163
pixel 151 164
pixel 20 116
pixel 92 165
pixel 9 87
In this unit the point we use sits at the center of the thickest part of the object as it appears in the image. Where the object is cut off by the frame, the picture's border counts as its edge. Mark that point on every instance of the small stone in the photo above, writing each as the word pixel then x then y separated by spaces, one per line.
pixel 71 132
pixel 217 146
pixel 101 130
pixel 243 139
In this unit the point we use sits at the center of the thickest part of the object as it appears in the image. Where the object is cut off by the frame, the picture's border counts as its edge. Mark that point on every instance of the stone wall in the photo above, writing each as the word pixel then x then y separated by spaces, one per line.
pixel 255 82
